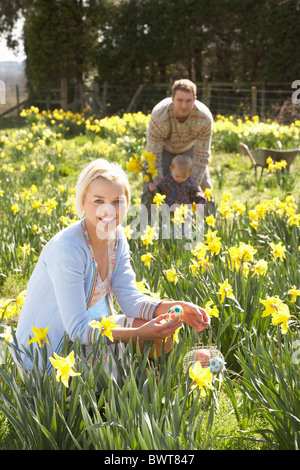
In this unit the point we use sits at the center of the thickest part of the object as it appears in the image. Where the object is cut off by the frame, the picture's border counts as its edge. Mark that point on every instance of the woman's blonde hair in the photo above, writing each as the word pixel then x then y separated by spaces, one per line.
pixel 100 168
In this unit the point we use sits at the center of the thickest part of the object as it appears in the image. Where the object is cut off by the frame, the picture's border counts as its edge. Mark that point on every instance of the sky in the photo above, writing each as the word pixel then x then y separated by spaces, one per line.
pixel 8 54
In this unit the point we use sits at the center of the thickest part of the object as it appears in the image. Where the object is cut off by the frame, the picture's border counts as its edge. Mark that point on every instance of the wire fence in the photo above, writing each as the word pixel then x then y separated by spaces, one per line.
pixel 222 99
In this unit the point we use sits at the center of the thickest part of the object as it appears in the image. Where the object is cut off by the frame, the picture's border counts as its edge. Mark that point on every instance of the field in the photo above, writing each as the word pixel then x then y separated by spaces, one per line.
pixel 244 271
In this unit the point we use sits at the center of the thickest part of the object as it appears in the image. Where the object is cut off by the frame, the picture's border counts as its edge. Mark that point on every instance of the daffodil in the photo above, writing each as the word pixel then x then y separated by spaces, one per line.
pixel 128 231
pixel 260 267
pixel 26 249
pixel 172 275
pixel 194 267
pixel 142 287
pixel 180 214
pixel 208 194
pixel 212 311
pixel 278 250
pixel 147 258
pixel 64 367
pixel 176 335
pixel 15 208
pixel 20 298
pixel 225 291
pixel 202 377
pixel 213 242
pixel 272 304
pixel 215 245
pixel 226 196
pixel 6 335
pixel 210 220
pixel 148 235
pixel 200 250
pixel 294 293
pixel 238 207
pixel 40 336
pixel 282 317
pixel 246 251
pixel 159 199
pixel 225 210
pixel 134 165
pixel 294 220
pixel 105 326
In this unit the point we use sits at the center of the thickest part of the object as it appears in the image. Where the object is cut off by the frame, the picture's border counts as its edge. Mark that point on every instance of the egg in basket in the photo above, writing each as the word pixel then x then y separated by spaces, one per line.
pixel 208 356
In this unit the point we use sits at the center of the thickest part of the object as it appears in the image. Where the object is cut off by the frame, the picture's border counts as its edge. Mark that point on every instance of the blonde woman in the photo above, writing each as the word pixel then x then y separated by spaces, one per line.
pixel 85 263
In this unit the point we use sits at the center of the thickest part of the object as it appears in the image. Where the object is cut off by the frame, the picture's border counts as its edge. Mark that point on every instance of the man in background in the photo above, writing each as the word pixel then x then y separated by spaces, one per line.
pixel 180 124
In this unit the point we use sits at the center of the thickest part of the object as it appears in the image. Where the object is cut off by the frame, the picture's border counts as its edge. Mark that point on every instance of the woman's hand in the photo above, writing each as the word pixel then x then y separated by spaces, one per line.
pixel 159 329
pixel 193 315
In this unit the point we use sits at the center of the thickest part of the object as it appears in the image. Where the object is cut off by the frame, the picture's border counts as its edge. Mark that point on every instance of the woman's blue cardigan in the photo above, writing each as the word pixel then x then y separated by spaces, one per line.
pixel 61 286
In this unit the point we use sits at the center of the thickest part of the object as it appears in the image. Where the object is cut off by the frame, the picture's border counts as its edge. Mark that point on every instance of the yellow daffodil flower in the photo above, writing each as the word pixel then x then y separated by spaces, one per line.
pixel 294 293
pixel 210 220
pixel 64 367
pixel 26 249
pixel 180 214
pixel 194 267
pixel 128 231
pixel 272 304
pixel 294 220
pixel 148 235
pixel 159 199
pixel 282 318
pixel 20 298
pixel 238 207
pixel 225 210
pixel 134 165
pixel 278 250
pixel 202 377
pixel 226 196
pixel 172 275
pixel 225 291
pixel 208 194
pixel 212 311
pixel 6 335
pixel 105 326
pixel 15 208
pixel 260 267
pixel 40 336
pixel 147 258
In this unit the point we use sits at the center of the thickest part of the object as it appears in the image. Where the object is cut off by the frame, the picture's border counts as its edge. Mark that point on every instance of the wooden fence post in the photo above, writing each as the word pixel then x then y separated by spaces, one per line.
pixel 104 98
pixel 253 100
pixel 206 93
pixel 134 98
pixel 18 101
pixel 263 100
pixel 64 93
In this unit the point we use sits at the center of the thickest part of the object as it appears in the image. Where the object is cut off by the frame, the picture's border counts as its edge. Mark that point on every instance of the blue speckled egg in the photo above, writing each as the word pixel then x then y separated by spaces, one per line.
pixel 215 365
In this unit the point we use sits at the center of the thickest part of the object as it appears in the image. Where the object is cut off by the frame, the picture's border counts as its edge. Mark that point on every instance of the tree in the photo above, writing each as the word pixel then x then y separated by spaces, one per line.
pixel 60 36
pixel 9 14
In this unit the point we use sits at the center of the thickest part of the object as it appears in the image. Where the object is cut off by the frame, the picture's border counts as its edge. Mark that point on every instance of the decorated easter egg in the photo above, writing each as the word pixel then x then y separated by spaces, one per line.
pixel 176 311
pixel 215 365
pixel 203 355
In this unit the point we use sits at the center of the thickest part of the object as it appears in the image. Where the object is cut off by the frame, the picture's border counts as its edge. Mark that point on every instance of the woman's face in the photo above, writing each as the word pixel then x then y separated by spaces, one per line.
pixel 105 205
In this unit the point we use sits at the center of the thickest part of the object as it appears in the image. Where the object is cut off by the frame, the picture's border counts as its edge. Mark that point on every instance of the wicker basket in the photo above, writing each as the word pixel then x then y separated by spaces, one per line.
pixel 208 355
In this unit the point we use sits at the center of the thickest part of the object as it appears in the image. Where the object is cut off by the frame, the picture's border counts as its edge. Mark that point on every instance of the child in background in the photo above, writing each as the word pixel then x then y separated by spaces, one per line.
pixel 178 186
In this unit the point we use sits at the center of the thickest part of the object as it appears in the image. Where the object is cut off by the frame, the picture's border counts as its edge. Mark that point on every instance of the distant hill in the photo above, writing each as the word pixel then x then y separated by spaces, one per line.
pixel 11 69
